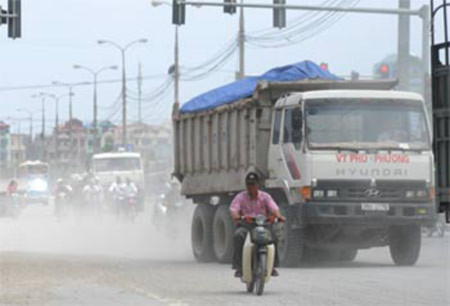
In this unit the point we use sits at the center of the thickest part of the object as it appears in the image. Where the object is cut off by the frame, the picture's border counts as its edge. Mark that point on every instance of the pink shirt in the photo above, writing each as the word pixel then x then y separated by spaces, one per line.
pixel 245 206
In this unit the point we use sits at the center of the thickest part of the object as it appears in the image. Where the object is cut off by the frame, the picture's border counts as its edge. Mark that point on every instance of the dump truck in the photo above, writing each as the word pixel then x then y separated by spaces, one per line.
pixel 349 163
pixel 440 78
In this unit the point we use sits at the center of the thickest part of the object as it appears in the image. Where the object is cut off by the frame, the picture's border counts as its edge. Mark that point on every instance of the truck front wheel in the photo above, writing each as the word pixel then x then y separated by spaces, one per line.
pixel 404 244
pixel 202 234
pixel 223 230
pixel 290 244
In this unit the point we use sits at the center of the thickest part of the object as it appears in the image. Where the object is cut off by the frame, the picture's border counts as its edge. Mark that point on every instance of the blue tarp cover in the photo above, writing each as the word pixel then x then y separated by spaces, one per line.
pixel 245 88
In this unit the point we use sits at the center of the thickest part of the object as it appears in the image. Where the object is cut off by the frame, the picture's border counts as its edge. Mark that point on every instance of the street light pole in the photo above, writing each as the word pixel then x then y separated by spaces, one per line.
pixel 95 74
pixel 241 43
pixel 30 114
pixel 124 82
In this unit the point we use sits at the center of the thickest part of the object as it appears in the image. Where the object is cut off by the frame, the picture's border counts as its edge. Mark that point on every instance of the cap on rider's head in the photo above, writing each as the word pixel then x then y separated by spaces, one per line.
pixel 252 178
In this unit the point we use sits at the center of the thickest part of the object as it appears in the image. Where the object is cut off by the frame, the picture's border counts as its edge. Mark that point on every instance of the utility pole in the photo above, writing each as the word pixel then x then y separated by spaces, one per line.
pixel 241 73
pixel 124 102
pixel 124 81
pixel 56 127
pixel 43 119
pixel 404 25
pixel 95 74
pixel 19 144
pixel 139 81
pixel 177 69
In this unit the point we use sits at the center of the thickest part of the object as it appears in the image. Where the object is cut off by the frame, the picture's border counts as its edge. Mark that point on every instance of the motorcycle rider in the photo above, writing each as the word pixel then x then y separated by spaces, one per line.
pixel 130 189
pixel 117 191
pixel 62 187
pixel 12 188
pixel 93 194
pixel 251 203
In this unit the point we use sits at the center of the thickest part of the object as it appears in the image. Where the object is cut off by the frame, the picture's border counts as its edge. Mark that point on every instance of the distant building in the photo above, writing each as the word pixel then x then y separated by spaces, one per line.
pixel 18 148
pixel 152 141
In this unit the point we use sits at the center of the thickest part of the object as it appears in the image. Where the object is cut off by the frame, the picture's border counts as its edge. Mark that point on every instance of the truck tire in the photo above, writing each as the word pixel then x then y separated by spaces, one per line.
pixel 404 244
pixel 290 244
pixel 223 230
pixel 202 234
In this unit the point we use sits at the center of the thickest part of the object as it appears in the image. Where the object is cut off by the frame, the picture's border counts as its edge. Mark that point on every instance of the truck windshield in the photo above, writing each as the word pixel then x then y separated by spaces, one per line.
pixel 117 164
pixel 361 124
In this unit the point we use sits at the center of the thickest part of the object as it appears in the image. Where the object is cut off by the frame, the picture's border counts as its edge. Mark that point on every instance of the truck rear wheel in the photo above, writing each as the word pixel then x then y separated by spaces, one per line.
pixel 404 244
pixel 348 255
pixel 202 234
pixel 290 244
pixel 223 230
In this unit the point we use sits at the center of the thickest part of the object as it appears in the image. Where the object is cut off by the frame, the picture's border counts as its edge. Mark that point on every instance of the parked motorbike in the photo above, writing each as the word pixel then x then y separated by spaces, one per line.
pixel 258 253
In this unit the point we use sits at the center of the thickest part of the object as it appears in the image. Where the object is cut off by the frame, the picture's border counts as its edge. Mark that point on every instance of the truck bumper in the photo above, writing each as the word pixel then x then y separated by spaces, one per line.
pixel 352 214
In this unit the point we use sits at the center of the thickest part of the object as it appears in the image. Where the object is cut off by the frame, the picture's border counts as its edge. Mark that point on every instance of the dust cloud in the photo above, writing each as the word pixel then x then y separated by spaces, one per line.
pixel 37 230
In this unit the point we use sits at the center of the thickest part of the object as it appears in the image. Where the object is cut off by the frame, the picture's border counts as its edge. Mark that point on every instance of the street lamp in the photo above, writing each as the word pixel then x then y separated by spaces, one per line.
pixel 30 113
pixel 123 49
pixel 71 94
pixel 95 74
pixel 56 100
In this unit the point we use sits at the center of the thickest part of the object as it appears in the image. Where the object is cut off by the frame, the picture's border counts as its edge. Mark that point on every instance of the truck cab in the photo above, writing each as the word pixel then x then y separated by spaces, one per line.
pixel 108 166
pixel 353 164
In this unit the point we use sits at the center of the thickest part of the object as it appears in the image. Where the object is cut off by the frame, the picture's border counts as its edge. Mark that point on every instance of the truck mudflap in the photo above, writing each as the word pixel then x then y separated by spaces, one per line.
pixel 365 213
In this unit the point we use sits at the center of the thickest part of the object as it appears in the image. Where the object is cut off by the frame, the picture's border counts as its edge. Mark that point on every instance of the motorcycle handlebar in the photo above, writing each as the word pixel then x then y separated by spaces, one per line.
pixel 252 220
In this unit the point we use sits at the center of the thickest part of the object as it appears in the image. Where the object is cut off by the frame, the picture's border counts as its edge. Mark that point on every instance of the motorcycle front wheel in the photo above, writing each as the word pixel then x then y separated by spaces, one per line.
pixel 250 287
pixel 261 273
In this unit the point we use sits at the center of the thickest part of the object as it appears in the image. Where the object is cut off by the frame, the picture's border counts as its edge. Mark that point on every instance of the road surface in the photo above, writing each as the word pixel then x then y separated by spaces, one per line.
pixel 100 261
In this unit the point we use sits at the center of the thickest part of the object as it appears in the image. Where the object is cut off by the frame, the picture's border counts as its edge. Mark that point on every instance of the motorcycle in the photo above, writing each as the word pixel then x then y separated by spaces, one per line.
pixel 258 254
pixel 11 206
pixel 130 207
pixel 60 204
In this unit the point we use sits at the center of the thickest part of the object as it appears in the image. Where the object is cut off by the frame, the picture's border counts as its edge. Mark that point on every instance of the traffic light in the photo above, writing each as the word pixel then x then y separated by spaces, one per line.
pixel 384 71
pixel 178 12
pixel 279 15
pixel 3 20
pixel 14 23
pixel 324 66
pixel 229 9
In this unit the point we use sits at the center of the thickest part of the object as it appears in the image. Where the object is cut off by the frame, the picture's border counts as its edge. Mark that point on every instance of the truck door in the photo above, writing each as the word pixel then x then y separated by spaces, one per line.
pixel 292 141
pixel 275 156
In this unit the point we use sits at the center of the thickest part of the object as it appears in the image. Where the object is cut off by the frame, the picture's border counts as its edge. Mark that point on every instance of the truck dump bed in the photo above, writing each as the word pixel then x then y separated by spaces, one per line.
pixel 214 149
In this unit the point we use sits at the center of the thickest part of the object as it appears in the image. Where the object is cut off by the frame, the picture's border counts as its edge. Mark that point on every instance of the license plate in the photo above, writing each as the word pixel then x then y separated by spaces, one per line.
pixel 375 206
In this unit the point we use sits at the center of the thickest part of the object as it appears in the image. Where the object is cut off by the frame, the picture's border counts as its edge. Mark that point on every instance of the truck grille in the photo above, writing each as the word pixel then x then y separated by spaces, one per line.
pixel 364 190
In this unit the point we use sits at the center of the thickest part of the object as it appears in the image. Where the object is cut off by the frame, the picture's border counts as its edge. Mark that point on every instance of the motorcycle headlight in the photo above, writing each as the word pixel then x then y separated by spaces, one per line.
pixel 260 220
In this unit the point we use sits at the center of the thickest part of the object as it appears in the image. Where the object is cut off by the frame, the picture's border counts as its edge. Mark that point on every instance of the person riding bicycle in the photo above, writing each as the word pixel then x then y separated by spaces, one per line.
pixel 251 203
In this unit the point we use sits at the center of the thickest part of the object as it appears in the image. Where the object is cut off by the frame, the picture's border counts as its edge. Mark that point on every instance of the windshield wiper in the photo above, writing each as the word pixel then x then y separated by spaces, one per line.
pixel 397 149
pixel 338 148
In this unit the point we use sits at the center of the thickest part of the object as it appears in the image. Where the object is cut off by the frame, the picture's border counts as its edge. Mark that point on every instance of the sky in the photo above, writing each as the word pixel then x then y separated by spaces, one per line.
pixel 58 34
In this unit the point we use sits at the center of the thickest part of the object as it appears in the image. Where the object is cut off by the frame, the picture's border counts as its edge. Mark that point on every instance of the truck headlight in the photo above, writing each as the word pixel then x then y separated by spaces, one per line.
pixel 318 193
pixel 410 193
pixel 332 193
pixel 421 193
